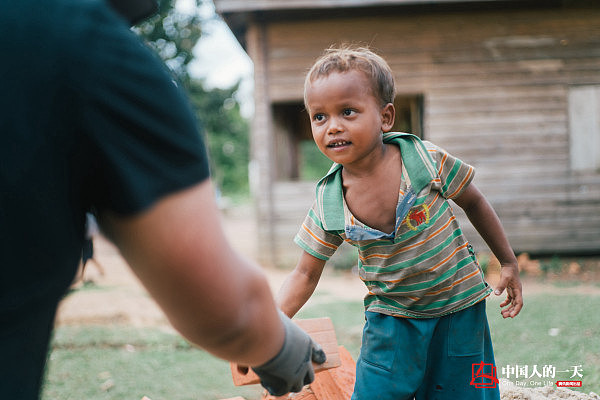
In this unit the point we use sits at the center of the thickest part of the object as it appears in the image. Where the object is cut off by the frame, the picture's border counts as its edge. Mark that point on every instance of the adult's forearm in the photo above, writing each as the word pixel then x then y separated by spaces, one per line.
pixel 214 297
pixel 225 307
pixel 240 324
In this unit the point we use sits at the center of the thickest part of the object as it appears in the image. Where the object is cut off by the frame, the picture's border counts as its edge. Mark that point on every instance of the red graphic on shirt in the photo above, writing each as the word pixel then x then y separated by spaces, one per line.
pixel 483 375
pixel 417 216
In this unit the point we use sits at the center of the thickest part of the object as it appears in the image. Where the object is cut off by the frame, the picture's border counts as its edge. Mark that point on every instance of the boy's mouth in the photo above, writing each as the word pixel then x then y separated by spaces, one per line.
pixel 338 143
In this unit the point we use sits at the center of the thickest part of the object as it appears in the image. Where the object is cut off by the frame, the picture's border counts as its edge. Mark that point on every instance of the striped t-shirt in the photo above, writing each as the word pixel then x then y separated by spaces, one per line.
pixel 426 268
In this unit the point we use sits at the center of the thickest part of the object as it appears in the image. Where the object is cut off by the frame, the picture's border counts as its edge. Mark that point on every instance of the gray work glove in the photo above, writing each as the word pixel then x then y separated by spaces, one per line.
pixel 291 368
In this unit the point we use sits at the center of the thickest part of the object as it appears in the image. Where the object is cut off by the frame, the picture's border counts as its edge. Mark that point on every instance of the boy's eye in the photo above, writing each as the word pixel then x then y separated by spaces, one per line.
pixel 318 117
pixel 347 112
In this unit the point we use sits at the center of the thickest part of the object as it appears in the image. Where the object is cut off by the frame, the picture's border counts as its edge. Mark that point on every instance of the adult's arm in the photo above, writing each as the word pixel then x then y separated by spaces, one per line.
pixel 217 299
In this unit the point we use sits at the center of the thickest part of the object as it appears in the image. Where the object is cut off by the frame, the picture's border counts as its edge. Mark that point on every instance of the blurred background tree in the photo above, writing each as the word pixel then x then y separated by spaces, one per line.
pixel 227 134
pixel 173 34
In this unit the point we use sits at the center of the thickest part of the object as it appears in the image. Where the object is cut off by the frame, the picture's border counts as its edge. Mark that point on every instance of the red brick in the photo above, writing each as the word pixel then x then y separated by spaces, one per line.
pixel 332 384
pixel 321 330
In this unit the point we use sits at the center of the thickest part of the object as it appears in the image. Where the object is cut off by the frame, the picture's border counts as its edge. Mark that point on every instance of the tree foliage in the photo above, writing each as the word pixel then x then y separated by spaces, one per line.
pixel 226 136
pixel 173 35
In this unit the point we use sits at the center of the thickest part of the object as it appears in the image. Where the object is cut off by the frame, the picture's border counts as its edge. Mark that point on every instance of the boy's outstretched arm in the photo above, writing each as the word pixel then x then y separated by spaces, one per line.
pixel 300 284
pixel 486 221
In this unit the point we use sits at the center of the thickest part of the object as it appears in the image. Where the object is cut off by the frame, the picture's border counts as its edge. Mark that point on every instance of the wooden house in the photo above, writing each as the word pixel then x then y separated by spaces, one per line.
pixel 511 87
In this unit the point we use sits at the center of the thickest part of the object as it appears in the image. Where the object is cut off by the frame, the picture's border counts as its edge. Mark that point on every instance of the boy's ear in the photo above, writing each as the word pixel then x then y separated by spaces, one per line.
pixel 388 115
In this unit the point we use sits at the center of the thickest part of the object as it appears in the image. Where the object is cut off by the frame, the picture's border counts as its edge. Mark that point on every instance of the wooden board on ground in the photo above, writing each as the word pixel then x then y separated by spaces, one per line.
pixel 320 330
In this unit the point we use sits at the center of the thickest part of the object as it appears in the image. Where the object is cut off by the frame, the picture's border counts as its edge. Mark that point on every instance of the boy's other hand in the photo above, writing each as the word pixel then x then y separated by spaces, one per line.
pixel 292 368
pixel 510 280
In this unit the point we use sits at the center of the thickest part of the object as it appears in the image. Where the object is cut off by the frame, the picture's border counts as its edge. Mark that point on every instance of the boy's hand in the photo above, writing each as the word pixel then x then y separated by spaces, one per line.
pixel 291 368
pixel 510 280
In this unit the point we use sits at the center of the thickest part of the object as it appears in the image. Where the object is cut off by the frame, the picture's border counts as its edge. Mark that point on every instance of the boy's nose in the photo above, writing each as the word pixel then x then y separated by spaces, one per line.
pixel 334 126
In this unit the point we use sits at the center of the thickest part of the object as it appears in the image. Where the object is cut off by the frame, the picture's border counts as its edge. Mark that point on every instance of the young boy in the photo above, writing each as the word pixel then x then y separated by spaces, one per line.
pixel 426 334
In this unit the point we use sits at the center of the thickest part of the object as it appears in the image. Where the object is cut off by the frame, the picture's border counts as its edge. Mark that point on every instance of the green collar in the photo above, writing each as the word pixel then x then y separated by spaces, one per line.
pixel 417 161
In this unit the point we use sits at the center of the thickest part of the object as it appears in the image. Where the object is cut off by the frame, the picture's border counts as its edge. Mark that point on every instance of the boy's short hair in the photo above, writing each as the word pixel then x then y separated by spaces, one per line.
pixel 348 58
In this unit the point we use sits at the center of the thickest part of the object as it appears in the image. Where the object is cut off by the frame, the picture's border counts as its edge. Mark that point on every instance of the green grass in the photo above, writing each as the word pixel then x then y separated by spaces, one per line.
pixel 347 317
pixel 559 331
pixel 115 362
pixel 125 363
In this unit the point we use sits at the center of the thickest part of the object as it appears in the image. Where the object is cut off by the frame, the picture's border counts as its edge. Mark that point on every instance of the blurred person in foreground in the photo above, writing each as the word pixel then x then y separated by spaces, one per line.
pixel 91 120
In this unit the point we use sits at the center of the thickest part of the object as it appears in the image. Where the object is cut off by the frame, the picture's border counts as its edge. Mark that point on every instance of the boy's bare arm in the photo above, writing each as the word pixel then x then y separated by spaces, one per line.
pixel 486 221
pixel 300 284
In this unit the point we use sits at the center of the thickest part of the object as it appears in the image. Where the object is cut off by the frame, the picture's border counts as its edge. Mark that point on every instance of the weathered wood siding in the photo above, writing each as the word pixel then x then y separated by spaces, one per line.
pixel 292 200
pixel 496 87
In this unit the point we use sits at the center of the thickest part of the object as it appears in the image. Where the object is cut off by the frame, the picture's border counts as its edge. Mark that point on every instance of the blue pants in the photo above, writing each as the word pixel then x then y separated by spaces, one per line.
pixel 425 359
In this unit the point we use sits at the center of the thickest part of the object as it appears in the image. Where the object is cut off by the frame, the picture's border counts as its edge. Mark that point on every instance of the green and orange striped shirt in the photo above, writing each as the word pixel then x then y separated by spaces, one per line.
pixel 426 268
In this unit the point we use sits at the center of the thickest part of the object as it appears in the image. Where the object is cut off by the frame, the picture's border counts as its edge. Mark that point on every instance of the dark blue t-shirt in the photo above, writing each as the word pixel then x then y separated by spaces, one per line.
pixel 89 118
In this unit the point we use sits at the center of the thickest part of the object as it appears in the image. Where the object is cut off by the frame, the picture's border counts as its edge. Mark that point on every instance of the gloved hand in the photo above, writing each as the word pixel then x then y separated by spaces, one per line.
pixel 291 368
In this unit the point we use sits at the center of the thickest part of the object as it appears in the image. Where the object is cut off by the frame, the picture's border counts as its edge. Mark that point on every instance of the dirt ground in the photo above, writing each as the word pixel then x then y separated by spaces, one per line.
pixel 113 295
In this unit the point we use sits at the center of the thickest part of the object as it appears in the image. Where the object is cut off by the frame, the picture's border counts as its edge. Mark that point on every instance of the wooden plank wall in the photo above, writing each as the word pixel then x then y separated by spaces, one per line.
pixel 496 87
pixel 261 169
pixel 292 200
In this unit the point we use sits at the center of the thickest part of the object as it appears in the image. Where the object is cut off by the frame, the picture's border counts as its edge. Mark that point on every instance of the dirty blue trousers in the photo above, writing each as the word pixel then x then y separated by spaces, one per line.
pixel 446 358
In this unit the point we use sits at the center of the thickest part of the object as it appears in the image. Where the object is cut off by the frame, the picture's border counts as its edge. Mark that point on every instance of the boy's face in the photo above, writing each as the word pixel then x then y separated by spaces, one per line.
pixel 346 119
